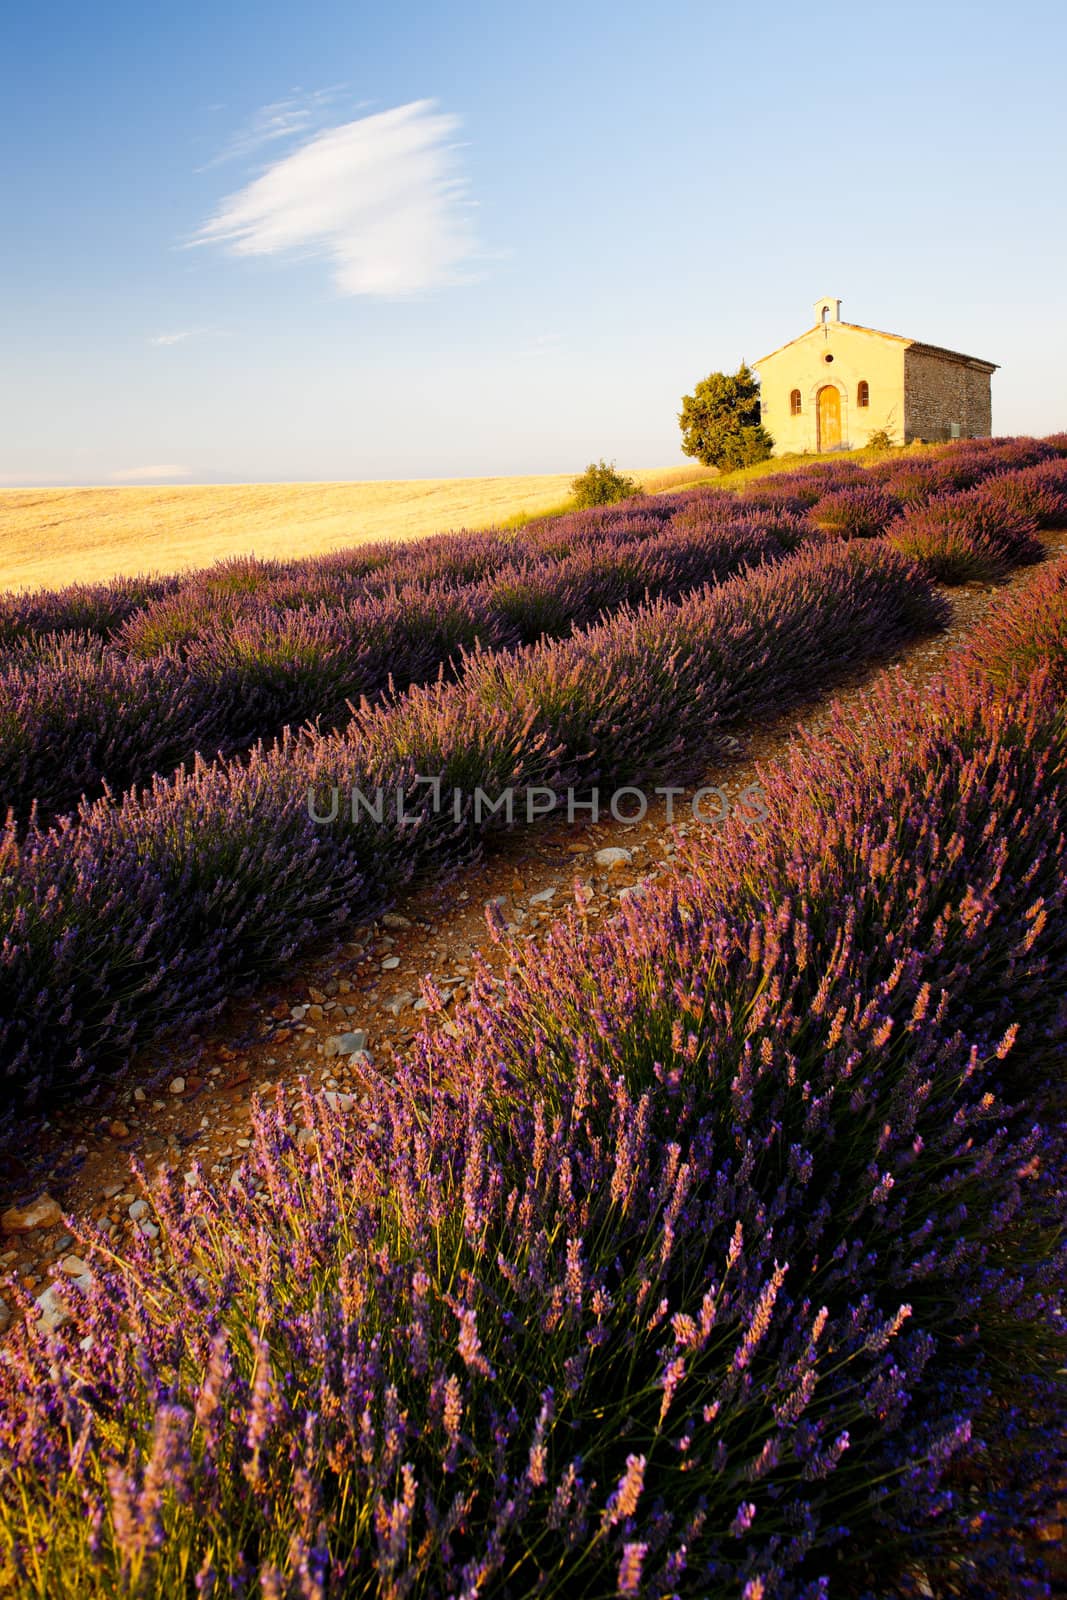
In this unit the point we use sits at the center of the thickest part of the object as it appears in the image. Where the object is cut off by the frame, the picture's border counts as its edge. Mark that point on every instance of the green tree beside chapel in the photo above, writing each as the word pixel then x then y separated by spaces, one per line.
pixel 720 421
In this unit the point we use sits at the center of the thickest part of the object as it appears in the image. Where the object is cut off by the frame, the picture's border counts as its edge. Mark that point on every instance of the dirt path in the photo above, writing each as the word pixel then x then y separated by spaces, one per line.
pixel 191 1104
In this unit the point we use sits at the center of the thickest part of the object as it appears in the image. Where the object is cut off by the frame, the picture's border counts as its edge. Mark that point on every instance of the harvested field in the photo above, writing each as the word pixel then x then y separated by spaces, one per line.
pixel 48 535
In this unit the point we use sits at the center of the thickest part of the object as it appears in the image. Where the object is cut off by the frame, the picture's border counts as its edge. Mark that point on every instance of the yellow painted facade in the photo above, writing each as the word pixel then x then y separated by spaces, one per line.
pixel 838 383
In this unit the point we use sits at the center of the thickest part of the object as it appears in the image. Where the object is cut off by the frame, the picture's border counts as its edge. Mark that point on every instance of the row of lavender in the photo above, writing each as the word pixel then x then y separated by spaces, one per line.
pixel 910 480
pixel 719 1255
pixel 235 588
pixel 75 716
pixel 109 609
pixel 136 919
pixel 972 512
pixel 238 654
pixel 144 615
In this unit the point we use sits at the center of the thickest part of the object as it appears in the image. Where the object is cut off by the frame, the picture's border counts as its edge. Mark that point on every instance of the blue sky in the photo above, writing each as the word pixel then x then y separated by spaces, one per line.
pixel 256 241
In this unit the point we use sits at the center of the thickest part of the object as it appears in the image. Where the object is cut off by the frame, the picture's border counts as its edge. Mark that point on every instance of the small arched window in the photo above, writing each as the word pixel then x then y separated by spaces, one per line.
pixel 794 403
pixel 863 393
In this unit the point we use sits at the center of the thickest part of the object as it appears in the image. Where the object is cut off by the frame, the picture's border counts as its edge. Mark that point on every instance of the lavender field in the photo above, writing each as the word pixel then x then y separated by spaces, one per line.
pixel 717 1251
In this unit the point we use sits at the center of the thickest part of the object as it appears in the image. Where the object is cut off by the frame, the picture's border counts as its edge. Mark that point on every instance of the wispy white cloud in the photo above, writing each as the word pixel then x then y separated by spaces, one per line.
pixel 283 119
pixel 151 474
pixel 381 198
pixel 180 335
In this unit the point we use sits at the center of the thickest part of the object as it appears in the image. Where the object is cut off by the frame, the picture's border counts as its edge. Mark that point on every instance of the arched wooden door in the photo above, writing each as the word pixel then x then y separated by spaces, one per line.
pixel 829 414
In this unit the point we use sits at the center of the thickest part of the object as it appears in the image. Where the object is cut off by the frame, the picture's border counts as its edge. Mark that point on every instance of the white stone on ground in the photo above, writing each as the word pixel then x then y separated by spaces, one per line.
pixel 40 1213
pixel 613 856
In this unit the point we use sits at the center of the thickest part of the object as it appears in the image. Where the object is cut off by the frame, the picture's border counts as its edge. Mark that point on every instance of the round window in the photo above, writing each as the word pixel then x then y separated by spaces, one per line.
pixel 828 358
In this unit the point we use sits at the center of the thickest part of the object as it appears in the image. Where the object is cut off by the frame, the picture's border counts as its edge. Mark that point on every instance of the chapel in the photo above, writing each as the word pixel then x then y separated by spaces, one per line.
pixel 837 383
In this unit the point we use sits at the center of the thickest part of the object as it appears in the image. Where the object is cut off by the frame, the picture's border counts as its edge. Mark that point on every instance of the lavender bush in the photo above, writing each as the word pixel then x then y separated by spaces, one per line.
pixel 799 490
pixel 557 535
pixel 222 596
pixel 791 498
pixel 73 714
pixel 971 536
pixel 910 482
pixel 704 512
pixel 947 470
pixel 124 924
pixel 716 1255
pixel 863 512
pixel 1026 631
pixel 96 609
pixel 1039 492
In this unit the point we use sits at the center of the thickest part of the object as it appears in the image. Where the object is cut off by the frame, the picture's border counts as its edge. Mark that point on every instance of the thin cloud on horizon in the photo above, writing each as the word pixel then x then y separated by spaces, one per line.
pixel 380 198
pixel 149 474
pixel 181 335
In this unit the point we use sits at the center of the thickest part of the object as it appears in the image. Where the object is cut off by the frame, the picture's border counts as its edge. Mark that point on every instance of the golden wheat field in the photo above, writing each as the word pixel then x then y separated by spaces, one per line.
pixel 51 537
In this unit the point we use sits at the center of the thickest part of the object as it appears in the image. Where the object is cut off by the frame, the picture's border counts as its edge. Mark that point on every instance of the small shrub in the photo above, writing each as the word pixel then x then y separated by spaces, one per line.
pixel 879 439
pixel 601 485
